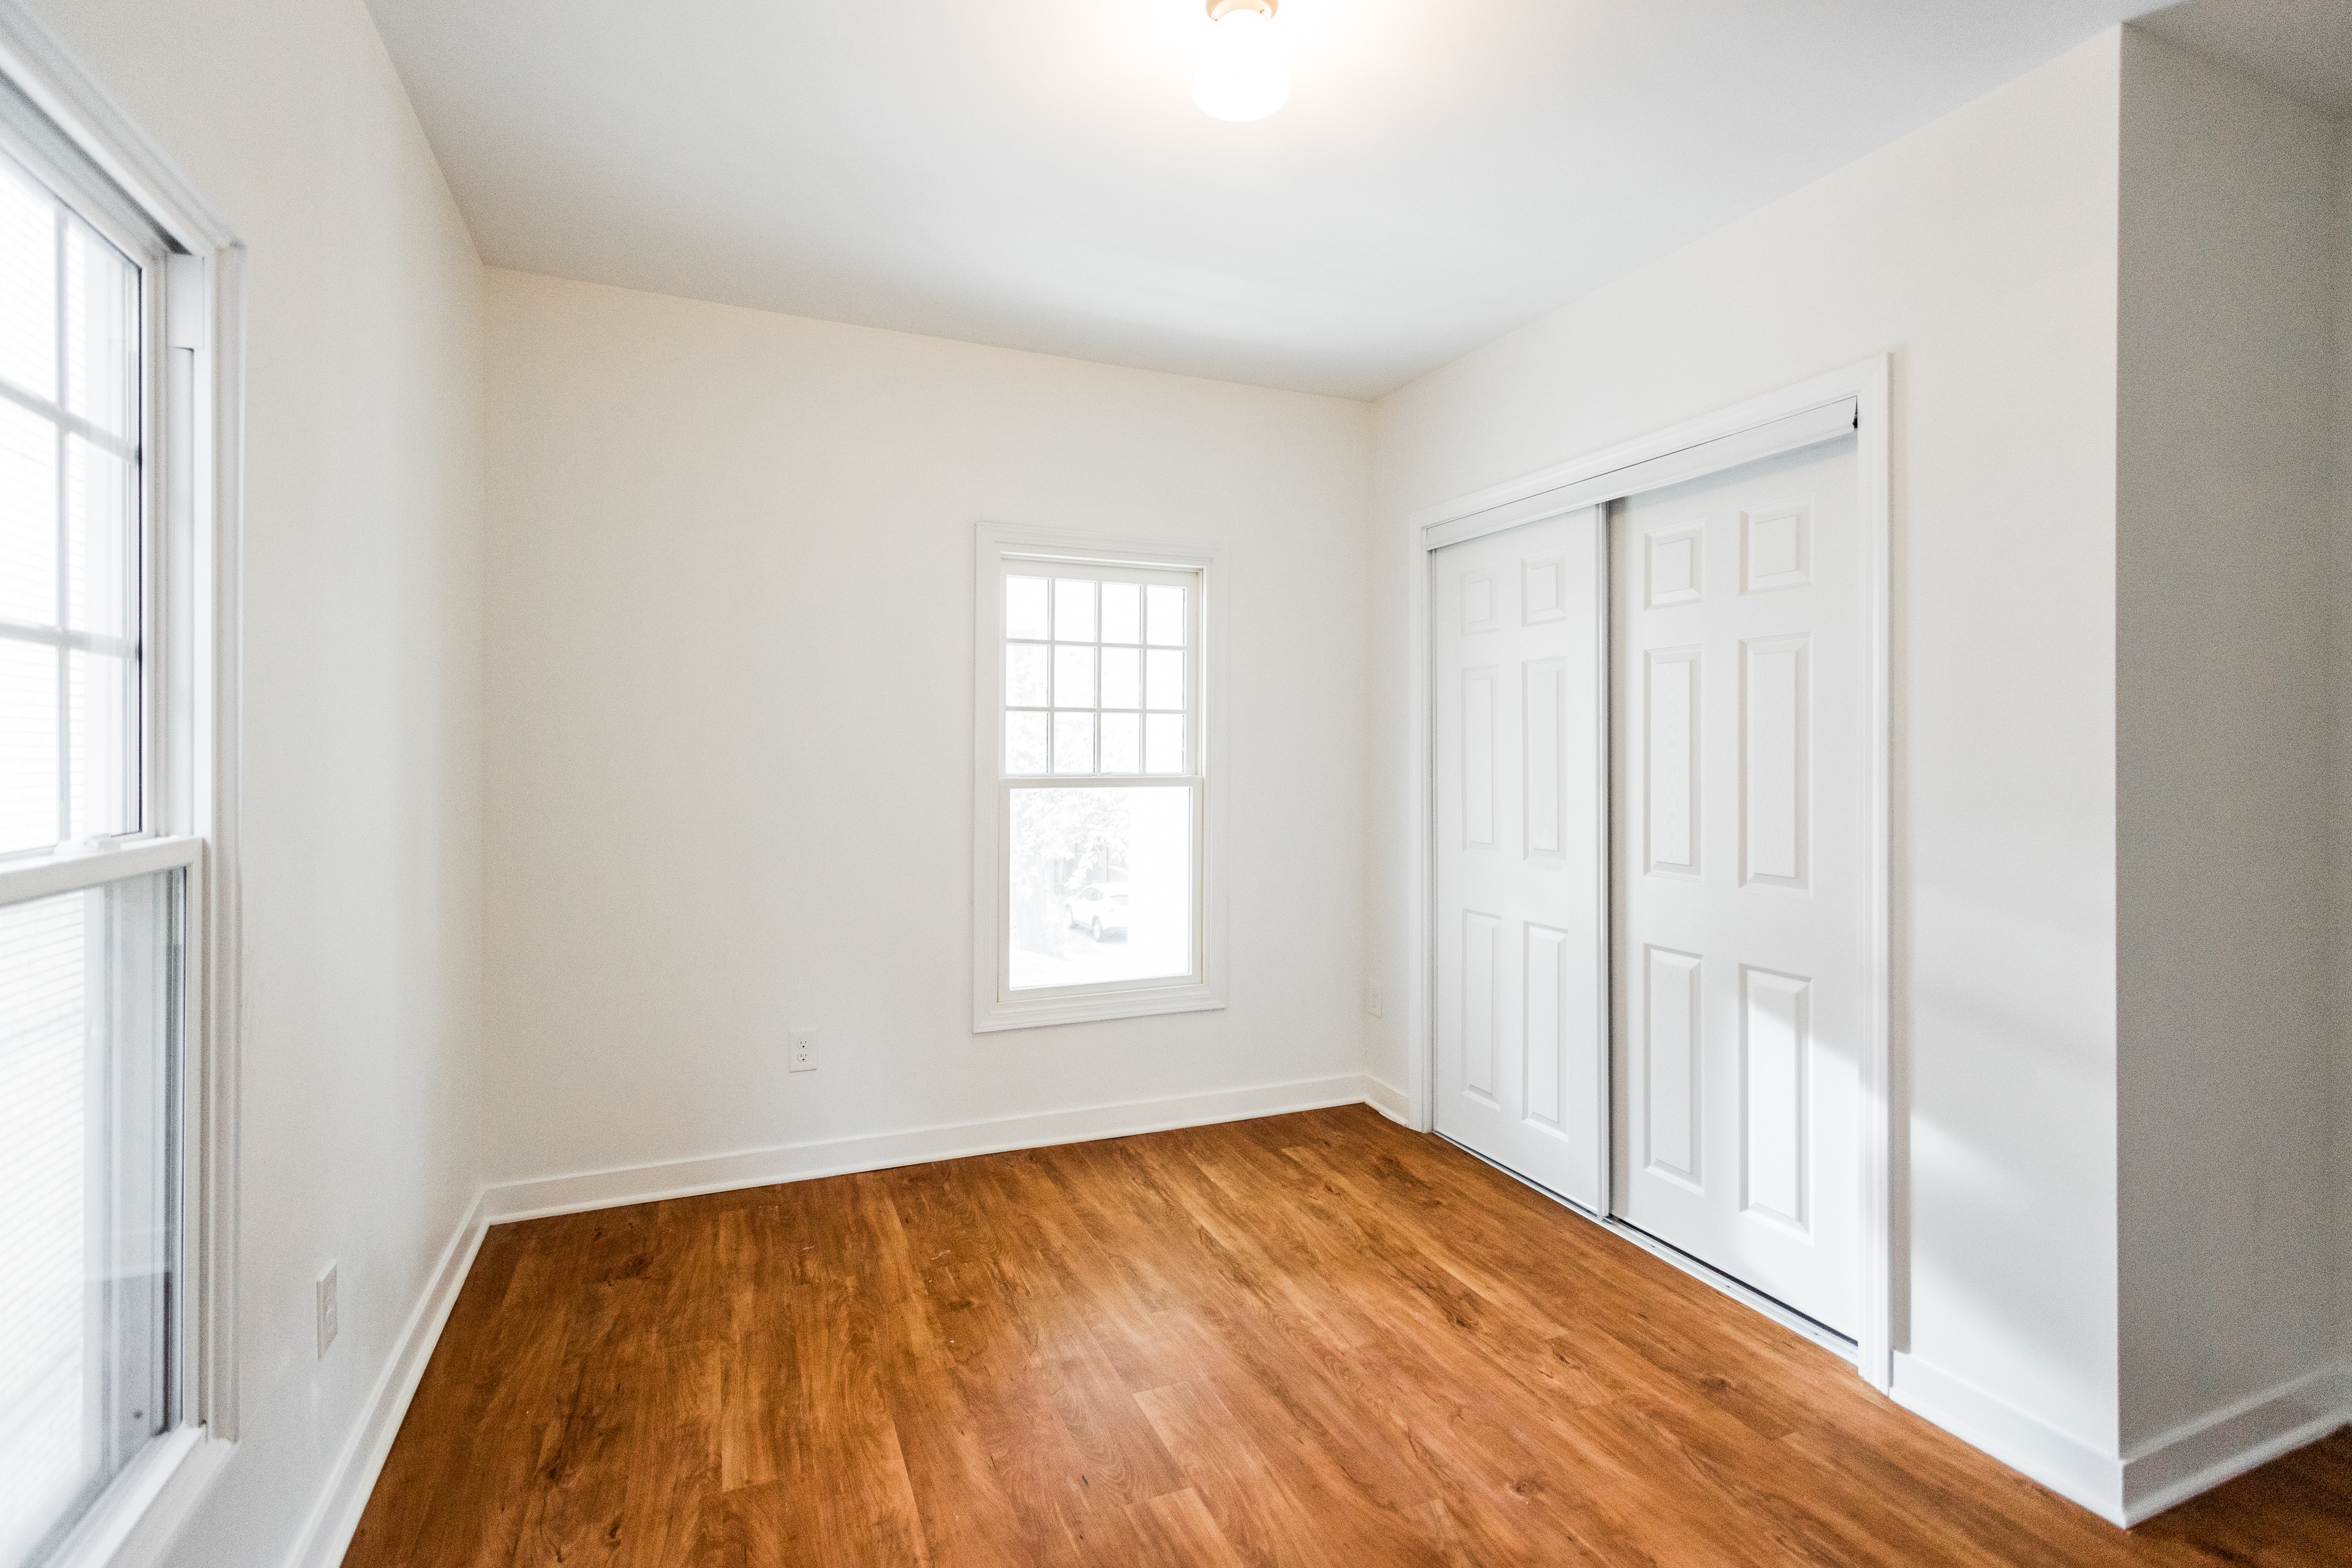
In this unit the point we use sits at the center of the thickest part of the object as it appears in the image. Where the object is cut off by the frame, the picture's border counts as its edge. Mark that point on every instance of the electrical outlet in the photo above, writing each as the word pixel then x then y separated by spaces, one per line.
pixel 1373 998
pixel 328 1320
pixel 803 1050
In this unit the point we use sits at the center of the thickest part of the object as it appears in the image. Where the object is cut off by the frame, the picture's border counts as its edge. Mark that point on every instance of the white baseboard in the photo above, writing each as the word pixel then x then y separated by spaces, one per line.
pixel 2193 1457
pixel 2065 1464
pixel 1389 1100
pixel 328 1531
pixel 2200 1455
pixel 881 1151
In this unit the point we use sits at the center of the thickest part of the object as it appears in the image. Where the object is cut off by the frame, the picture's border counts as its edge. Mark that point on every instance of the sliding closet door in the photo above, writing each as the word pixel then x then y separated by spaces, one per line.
pixel 1520 879
pixel 1741 871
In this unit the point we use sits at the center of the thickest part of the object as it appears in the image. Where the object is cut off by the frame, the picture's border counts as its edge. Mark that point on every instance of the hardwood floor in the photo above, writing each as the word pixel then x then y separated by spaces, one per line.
pixel 1312 1340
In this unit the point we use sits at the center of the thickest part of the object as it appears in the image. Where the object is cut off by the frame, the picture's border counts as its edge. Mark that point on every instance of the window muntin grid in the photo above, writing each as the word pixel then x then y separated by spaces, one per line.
pixel 1100 673
pixel 70 516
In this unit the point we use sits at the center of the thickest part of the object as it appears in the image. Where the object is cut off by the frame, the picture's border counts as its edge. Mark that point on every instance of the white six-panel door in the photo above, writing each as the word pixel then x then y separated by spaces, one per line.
pixel 1740 874
pixel 1522 1012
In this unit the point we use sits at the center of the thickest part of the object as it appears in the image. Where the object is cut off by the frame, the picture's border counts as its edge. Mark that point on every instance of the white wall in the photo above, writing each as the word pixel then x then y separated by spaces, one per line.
pixel 730 697
pixel 362 811
pixel 1980 252
pixel 2226 766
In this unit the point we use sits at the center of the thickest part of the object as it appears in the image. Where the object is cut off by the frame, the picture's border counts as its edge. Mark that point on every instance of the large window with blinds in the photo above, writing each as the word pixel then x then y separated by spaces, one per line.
pixel 101 859
pixel 1096 749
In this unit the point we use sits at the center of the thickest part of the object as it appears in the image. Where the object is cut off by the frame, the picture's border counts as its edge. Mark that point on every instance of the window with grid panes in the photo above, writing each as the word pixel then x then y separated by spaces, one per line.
pixel 1101 780
pixel 96 864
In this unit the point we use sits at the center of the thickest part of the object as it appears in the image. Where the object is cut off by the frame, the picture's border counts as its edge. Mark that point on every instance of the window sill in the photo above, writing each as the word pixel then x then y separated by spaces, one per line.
pixel 989 1016
pixel 138 1515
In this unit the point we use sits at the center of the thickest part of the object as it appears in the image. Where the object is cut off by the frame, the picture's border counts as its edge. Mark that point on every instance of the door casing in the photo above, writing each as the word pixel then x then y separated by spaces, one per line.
pixel 1855 397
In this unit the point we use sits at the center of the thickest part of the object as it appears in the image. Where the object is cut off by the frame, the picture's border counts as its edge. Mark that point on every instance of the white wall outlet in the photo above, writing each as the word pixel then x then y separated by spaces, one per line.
pixel 803 1057
pixel 1373 998
pixel 328 1320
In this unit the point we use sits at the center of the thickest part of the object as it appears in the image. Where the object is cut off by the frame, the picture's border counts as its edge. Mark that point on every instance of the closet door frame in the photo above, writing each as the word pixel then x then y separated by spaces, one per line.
pixel 1821 408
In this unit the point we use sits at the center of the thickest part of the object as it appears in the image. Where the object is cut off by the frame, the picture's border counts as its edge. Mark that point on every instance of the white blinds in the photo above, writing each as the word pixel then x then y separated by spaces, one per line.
pixel 86 998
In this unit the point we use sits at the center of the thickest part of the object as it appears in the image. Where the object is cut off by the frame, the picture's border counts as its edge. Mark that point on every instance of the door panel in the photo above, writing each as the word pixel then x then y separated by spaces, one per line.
pixel 1520 887
pixel 1671 1067
pixel 1479 932
pixel 1740 872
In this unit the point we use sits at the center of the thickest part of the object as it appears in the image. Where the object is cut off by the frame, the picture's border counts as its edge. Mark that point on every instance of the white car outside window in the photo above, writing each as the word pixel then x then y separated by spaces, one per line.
pixel 1098 909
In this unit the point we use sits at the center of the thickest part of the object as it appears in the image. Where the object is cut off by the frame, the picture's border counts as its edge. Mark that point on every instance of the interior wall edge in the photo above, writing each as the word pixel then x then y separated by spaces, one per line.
pixel 1388 1100
pixel 2077 1470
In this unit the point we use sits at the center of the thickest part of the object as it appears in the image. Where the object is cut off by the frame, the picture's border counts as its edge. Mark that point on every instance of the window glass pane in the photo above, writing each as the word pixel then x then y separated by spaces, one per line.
pixel 87 1000
pixel 1167 678
pixel 1122 743
pixel 1074 610
pixel 1074 743
pixel 28 745
pixel 1027 669
pixel 102 304
pixel 103 733
pixel 1163 743
pixel 101 541
pixel 28 283
pixel 1024 608
pixel 1122 612
pixel 1025 745
pixel 28 516
pixel 1101 885
pixel 1167 615
pixel 1122 684
pixel 1074 677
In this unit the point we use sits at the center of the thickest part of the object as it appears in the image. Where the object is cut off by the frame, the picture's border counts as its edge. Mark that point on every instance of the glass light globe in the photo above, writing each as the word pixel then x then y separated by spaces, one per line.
pixel 1243 75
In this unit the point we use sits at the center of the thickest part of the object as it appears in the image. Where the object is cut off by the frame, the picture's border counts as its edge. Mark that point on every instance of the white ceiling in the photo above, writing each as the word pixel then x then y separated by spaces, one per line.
pixel 1034 173
pixel 2301 47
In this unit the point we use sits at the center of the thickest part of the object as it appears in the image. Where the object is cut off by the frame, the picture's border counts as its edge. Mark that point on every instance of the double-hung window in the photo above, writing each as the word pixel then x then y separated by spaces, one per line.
pixel 1098 818
pixel 103 852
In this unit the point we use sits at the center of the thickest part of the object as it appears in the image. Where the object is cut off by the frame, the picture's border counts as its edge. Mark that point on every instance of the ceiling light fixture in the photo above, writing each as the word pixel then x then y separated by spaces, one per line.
pixel 1243 75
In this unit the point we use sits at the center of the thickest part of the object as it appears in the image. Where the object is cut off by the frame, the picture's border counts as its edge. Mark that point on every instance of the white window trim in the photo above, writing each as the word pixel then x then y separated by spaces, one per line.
pixel 190 823
pixel 992 1009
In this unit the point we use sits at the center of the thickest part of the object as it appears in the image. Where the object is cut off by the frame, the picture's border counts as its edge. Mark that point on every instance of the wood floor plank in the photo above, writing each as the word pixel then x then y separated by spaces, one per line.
pixel 2293 1510
pixel 1188 1532
pixel 1305 1341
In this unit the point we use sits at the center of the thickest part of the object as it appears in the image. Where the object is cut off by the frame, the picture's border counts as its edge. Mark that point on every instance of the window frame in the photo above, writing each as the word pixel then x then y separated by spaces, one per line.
pixel 63 126
pixel 1004 548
